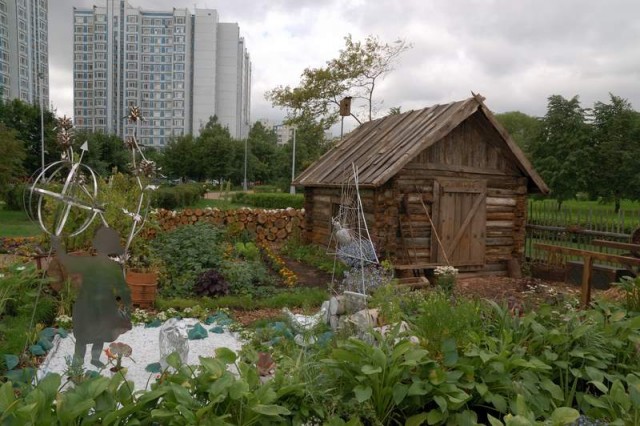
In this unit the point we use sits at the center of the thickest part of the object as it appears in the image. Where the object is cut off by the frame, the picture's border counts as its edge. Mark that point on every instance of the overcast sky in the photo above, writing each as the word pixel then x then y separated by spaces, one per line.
pixel 516 53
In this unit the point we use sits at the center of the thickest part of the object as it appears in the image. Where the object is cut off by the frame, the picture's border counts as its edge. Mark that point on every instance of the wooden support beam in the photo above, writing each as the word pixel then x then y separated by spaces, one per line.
pixel 589 257
pixel 585 297
pixel 616 245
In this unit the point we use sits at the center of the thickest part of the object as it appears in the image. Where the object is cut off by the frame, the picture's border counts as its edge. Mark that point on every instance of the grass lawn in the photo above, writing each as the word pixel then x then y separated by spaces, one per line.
pixel 16 224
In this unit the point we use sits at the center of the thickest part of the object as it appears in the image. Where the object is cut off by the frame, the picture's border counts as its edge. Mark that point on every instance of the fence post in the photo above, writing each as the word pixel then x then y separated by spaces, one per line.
pixel 585 297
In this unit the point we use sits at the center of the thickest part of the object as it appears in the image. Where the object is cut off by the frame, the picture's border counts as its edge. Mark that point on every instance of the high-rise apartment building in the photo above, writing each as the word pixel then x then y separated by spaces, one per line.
pixel 24 57
pixel 179 68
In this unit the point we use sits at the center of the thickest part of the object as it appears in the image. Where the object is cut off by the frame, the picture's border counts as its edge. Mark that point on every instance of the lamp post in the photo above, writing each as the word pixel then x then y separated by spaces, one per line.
pixel 292 189
pixel 246 148
pixel 40 77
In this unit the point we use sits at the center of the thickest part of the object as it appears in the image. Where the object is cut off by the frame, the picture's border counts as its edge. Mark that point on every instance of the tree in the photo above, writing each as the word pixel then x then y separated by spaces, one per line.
pixel 24 118
pixel 355 72
pixel 262 146
pixel 13 154
pixel 615 151
pixel 523 128
pixel 106 152
pixel 560 151
pixel 179 159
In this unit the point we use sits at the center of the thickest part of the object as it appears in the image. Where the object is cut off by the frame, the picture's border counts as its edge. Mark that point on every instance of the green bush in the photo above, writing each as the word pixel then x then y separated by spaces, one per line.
pixel 265 189
pixel 179 196
pixel 269 200
pixel 248 277
pixel 14 197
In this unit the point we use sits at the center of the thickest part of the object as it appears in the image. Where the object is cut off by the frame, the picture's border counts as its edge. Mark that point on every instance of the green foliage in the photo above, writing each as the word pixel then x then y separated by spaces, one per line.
pixel 186 252
pixel 269 200
pixel 438 319
pixel 179 196
pixel 24 119
pixel 107 153
pixel 560 152
pixel 631 288
pixel 14 196
pixel 20 289
pixel 522 127
pixel 390 380
pixel 615 150
pixel 265 189
pixel 248 277
pixel 313 255
pixel 292 298
pixel 355 72
pixel 11 161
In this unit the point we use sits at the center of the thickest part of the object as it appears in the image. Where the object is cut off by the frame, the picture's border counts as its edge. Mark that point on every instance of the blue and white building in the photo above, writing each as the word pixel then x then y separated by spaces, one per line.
pixel 180 68
pixel 24 51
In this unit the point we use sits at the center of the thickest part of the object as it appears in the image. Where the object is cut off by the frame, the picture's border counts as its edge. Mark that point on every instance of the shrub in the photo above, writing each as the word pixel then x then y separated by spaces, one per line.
pixel 269 200
pixel 211 283
pixel 246 277
pixel 14 197
pixel 265 189
pixel 178 196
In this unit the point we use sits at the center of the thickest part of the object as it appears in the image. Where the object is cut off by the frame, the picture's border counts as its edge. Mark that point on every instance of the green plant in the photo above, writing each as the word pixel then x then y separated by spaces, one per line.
pixel 446 277
pixel 269 200
pixel 392 381
pixel 313 255
pixel 247 251
pixel 185 252
pixel 631 288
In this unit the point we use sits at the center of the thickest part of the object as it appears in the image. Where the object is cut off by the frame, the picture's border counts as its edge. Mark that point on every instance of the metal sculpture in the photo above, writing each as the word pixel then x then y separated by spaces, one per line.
pixel 102 310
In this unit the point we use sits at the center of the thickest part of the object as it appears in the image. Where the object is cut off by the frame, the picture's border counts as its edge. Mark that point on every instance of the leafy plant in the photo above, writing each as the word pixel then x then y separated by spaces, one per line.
pixel 211 283
pixel 186 252
pixel 631 288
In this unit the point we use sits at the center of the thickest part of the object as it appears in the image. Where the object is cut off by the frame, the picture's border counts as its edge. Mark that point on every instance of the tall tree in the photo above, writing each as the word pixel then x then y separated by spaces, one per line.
pixel 616 150
pixel 523 128
pixel 11 160
pixel 25 118
pixel 106 152
pixel 560 152
pixel 179 159
pixel 356 72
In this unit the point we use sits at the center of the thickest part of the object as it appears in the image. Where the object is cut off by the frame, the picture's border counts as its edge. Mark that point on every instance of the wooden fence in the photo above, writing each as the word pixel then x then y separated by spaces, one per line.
pixel 576 228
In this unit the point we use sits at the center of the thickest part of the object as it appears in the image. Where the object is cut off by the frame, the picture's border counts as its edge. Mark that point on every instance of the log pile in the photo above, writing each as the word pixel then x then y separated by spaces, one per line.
pixel 265 225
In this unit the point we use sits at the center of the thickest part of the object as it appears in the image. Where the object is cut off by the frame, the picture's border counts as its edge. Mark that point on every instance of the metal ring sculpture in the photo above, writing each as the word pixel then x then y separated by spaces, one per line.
pixel 79 188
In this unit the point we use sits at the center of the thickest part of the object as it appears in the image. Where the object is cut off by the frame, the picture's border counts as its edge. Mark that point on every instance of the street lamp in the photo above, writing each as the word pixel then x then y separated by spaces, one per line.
pixel 292 189
pixel 246 148
pixel 41 78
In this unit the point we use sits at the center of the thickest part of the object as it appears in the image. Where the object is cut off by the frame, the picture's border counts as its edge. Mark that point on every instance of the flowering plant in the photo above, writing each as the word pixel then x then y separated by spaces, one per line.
pixel 277 264
pixel 446 277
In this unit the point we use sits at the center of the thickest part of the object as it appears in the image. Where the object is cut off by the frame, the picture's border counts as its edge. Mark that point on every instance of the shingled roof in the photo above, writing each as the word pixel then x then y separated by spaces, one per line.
pixel 381 148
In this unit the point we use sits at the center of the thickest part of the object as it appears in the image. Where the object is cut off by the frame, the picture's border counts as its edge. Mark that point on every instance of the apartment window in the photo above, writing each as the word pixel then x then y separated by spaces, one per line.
pixel 132 19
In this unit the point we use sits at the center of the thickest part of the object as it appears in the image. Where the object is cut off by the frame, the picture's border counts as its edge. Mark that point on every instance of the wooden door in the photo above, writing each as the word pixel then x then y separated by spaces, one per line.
pixel 460 222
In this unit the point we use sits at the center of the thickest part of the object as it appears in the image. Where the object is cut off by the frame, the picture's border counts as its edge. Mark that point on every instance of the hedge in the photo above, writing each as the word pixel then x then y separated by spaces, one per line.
pixel 173 197
pixel 269 200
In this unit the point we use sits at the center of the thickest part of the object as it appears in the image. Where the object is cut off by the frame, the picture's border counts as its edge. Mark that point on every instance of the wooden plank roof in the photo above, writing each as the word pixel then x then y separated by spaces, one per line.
pixel 382 147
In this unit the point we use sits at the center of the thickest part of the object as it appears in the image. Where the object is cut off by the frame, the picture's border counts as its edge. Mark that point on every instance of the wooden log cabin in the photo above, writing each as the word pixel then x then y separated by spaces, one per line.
pixel 442 185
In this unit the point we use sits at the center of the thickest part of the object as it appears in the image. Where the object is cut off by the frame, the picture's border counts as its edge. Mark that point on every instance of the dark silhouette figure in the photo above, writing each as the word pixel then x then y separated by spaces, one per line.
pixel 102 309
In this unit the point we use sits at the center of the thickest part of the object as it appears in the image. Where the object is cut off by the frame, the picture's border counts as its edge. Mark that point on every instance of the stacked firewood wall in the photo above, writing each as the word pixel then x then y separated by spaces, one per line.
pixel 265 225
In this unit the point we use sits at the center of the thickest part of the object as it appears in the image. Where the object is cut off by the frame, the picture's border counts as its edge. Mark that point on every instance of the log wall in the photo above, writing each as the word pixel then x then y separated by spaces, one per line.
pixel 266 225
pixel 397 211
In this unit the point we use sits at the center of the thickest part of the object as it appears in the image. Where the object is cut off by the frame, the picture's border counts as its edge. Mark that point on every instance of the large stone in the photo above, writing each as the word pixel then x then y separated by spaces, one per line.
pixel 173 338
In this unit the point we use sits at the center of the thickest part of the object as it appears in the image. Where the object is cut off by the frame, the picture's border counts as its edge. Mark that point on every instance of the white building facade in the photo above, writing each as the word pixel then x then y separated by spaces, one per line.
pixel 24 47
pixel 168 63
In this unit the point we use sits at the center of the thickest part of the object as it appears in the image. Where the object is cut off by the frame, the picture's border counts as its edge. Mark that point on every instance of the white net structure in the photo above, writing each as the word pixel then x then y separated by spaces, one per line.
pixel 350 239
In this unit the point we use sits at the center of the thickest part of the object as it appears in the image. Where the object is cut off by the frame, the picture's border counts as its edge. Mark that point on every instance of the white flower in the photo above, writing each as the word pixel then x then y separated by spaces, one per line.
pixel 21 268
pixel 1 275
pixel 162 316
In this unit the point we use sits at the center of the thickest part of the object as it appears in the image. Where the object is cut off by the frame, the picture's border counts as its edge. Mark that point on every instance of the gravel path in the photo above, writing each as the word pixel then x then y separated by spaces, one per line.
pixel 144 342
